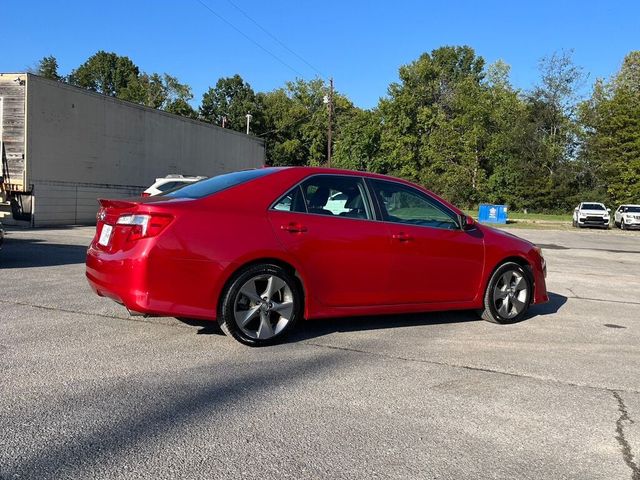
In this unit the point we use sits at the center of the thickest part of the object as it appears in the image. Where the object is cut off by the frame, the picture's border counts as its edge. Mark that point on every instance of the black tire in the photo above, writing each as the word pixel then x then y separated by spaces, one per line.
pixel 622 226
pixel 231 297
pixel 575 224
pixel 490 311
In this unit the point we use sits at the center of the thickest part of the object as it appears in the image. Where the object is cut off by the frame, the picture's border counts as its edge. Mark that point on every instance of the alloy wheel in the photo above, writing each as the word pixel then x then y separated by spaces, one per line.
pixel 510 294
pixel 263 306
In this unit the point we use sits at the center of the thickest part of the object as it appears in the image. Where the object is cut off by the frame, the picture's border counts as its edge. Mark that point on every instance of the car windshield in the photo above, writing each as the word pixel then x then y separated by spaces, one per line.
pixel 216 184
pixel 635 209
pixel 592 206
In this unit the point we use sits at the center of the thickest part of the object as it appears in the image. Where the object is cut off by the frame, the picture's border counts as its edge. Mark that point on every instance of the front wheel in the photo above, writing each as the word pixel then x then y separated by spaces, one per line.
pixel 508 294
pixel 622 226
pixel 260 305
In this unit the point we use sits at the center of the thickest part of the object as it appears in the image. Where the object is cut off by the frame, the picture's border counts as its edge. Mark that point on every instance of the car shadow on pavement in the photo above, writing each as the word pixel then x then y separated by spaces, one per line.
pixel 306 330
pixel 318 328
pixel 28 253
pixel 207 327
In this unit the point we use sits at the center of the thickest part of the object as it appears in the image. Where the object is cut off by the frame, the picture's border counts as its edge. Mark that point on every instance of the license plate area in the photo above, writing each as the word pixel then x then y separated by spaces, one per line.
pixel 105 235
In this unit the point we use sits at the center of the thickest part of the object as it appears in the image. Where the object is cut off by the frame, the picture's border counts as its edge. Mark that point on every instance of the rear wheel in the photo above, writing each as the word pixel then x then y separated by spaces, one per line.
pixel 261 304
pixel 508 294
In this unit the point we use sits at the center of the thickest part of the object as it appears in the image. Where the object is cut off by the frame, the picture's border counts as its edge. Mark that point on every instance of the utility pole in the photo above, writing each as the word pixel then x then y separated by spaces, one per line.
pixel 249 117
pixel 330 102
pixel 224 121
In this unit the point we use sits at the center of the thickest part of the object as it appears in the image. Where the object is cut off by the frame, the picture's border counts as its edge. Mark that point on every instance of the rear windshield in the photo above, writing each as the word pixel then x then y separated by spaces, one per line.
pixel 592 206
pixel 213 185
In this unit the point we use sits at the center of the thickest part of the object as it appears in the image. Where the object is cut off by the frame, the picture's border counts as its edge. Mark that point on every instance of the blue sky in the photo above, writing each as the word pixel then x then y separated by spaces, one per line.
pixel 360 43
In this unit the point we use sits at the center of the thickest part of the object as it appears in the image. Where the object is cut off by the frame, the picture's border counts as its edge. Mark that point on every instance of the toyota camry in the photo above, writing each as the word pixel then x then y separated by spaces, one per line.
pixel 258 250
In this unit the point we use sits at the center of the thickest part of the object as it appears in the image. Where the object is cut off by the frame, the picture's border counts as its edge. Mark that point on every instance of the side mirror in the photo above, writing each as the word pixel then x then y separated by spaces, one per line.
pixel 466 222
pixel 576 209
pixel 609 210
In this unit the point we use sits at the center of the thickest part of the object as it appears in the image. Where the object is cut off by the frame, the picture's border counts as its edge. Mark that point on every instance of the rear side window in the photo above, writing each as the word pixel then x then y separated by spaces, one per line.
pixel 331 195
pixel 216 184
pixel 336 195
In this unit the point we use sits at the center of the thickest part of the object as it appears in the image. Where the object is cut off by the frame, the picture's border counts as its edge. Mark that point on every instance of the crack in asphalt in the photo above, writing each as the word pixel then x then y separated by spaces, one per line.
pixel 625 447
pixel 474 369
pixel 591 299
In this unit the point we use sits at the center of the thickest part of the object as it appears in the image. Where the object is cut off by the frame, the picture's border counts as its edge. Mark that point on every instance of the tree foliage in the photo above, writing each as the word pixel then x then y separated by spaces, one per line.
pixel 611 147
pixel 229 102
pixel 48 68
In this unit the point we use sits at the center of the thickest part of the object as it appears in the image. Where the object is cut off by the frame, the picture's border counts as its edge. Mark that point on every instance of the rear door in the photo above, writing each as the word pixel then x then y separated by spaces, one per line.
pixel 434 260
pixel 327 223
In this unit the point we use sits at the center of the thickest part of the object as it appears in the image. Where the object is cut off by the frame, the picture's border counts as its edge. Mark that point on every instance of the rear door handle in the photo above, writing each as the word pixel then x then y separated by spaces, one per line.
pixel 294 228
pixel 403 237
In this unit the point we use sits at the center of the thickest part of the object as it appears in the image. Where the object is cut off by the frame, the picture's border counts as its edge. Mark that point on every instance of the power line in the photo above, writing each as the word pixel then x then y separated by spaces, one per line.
pixel 201 2
pixel 275 38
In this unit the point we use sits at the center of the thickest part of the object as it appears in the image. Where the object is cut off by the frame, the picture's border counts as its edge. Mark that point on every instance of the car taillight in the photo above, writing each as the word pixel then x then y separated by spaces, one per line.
pixel 144 226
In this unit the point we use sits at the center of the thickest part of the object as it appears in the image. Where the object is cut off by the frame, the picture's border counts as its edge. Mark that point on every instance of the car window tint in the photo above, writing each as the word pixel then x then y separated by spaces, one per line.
pixel 218 183
pixel 168 186
pixel 292 201
pixel 592 206
pixel 402 204
pixel 336 195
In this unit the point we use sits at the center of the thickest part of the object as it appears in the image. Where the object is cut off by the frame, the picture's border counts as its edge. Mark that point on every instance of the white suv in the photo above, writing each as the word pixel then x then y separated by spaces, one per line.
pixel 591 214
pixel 169 183
pixel 627 216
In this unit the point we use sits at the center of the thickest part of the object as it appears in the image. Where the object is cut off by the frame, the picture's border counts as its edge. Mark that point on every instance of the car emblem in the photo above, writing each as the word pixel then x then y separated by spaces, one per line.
pixel 102 216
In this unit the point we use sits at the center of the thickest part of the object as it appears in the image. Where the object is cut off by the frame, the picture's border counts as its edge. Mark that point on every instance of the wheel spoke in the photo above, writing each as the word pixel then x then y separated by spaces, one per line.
pixel 249 290
pixel 517 304
pixel 506 279
pixel 500 294
pixel 285 309
pixel 274 284
pixel 265 330
pixel 245 316
pixel 505 308
pixel 519 283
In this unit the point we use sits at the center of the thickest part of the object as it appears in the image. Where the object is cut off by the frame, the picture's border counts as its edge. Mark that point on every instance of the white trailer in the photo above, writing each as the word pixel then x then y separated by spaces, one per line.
pixel 63 147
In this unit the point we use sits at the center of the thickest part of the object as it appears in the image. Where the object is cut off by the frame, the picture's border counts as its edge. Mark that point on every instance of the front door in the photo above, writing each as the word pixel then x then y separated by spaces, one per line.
pixel 434 259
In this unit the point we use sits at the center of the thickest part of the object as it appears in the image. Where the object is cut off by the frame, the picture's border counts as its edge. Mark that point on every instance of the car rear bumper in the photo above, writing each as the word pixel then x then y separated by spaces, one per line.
pixel 146 282
pixel 117 278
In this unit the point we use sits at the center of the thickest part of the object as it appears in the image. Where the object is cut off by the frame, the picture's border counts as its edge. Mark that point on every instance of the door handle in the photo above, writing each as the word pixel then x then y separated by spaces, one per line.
pixel 294 228
pixel 403 237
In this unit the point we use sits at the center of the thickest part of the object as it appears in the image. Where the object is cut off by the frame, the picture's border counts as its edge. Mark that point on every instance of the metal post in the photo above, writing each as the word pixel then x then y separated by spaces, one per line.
pixel 249 117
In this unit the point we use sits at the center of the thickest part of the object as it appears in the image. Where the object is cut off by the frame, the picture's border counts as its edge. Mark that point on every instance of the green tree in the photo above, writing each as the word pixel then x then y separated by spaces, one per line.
pixel 295 122
pixel 434 124
pixel 611 148
pixel 106 73
pixel 231 99
pixel 48 68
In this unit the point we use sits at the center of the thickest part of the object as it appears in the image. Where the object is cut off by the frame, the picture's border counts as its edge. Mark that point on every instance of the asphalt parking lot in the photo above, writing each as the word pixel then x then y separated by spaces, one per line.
pixel 88 392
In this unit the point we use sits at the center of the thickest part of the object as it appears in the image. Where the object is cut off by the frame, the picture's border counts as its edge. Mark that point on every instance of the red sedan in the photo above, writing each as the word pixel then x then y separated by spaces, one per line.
pixel 260 249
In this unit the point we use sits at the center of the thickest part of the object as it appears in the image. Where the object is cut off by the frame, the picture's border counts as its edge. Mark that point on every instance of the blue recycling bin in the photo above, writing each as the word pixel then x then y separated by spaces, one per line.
pixel 488 213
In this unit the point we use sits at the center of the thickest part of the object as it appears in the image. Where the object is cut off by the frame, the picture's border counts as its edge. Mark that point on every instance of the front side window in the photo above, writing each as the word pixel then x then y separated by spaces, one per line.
pixel 402 204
